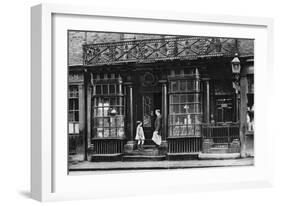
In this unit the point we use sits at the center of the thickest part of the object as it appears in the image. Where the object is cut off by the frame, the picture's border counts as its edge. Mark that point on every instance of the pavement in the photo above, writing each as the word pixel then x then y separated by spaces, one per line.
pixel 86 166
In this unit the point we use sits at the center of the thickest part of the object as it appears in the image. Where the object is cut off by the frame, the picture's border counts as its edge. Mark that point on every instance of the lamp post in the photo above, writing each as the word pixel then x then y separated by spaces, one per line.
pixel 240 84
pixel 236 69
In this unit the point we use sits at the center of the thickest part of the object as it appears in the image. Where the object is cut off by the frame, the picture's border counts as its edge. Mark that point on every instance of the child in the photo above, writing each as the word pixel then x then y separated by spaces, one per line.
pixel 140 135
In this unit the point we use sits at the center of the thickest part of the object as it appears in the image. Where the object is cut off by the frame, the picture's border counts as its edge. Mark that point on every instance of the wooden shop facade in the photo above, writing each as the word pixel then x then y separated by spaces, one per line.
pixel 206 109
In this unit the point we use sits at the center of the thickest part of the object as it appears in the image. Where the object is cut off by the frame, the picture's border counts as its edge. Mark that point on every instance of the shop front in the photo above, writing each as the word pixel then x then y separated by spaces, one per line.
pixel 189 80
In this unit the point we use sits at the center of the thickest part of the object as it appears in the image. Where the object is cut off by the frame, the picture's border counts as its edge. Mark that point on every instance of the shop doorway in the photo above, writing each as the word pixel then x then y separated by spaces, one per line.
pixel 150 102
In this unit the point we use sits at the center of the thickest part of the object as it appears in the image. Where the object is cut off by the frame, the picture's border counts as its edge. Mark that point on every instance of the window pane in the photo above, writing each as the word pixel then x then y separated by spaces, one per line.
pixel 99 132
pixel 112 89
pixel 76 128
pixel 120 111
pixel 98 112
pixel 174 99
pixel 181 120
pixel 98 122
pixel 182 86
pixel 105 109
pixel 190 130
pixel 171 119
pixel 174 109
pixel 191 97
pixel 120 132
pixel 170 131
pixel 71 116
pixel 112 101
pixel 76 118
pixel 176 130
pixel 120 121
pixel 70 128
pixel 105 89
pixel 106 122
pixel 197 130
pixel 106 132
pixel 183 98
pixel 190 85
pixel 112 121
pixel 76 105
pixel 194 108
pixel 70 104
pixel 113 132
pixel 174 86
pixel 198 119
pixel 184 108
pixel 183 131
pixel 98 89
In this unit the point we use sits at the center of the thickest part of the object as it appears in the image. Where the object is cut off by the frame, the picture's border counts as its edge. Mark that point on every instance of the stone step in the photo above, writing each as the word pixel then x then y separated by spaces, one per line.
pixel 218 150
pixel 145 151
pixel 220 145
pixel 216 156
pixel 143 157
pixel 149 146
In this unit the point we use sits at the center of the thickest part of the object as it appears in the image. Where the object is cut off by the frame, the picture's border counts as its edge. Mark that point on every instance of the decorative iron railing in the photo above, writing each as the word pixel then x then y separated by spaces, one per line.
pixel 221 133
pixel 107 146
pixel 152 50
pixel 184 145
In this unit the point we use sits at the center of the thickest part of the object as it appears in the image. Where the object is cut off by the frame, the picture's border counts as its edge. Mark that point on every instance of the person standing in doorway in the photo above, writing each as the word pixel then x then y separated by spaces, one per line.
pixel 157 128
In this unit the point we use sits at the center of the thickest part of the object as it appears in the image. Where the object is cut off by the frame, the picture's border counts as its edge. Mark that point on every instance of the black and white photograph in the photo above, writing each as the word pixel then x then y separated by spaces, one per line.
pixel 156 101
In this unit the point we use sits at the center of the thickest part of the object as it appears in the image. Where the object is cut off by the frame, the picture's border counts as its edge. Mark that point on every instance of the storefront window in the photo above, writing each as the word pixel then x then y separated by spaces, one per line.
pixel 73 110
pixel 185 115
pixel 73 117
pixel 108 109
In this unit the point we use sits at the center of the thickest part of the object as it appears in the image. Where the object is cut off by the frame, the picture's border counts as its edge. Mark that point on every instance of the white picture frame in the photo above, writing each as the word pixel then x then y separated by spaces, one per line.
pixel 49 178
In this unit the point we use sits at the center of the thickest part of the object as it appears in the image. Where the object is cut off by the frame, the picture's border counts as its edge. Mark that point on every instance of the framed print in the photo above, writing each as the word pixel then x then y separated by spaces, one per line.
pixel 124 99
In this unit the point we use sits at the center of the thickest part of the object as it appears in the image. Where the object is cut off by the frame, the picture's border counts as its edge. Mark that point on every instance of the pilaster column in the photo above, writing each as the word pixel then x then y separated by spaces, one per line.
pixel 130 145
pixel 131 115
pixel 164 110
pixel 207 99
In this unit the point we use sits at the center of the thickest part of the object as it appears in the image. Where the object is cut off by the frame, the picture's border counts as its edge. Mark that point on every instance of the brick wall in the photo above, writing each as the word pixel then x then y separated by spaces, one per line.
pixel 78 38
pixel 246 46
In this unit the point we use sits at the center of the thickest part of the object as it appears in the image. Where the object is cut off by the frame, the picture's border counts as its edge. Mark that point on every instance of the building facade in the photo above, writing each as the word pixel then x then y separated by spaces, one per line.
pixel 117 79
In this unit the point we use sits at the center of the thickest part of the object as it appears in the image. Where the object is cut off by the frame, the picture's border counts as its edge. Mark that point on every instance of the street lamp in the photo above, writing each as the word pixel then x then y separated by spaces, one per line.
pixel 236 67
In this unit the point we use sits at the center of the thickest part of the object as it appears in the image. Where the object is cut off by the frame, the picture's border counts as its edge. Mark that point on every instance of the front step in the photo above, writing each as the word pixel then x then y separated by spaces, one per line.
pixel 221 148
pixel 220 145
pixel 143 157
pixel 145 152
pixel 148 153
pixel 216 156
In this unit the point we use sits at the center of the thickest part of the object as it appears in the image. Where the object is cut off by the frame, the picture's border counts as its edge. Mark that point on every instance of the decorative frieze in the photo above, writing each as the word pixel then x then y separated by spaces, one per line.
pixel 151 50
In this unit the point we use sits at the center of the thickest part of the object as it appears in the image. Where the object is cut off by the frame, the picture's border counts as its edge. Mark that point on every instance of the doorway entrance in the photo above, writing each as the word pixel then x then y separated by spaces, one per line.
pixel 150 102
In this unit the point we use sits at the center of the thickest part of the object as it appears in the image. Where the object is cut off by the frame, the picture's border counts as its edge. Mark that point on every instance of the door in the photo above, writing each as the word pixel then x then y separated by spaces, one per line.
pixel 150 102
pixel 224 109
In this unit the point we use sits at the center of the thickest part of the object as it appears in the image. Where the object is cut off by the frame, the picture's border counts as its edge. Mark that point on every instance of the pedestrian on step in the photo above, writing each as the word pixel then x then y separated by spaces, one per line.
pixel 156 137
pixel 140 135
